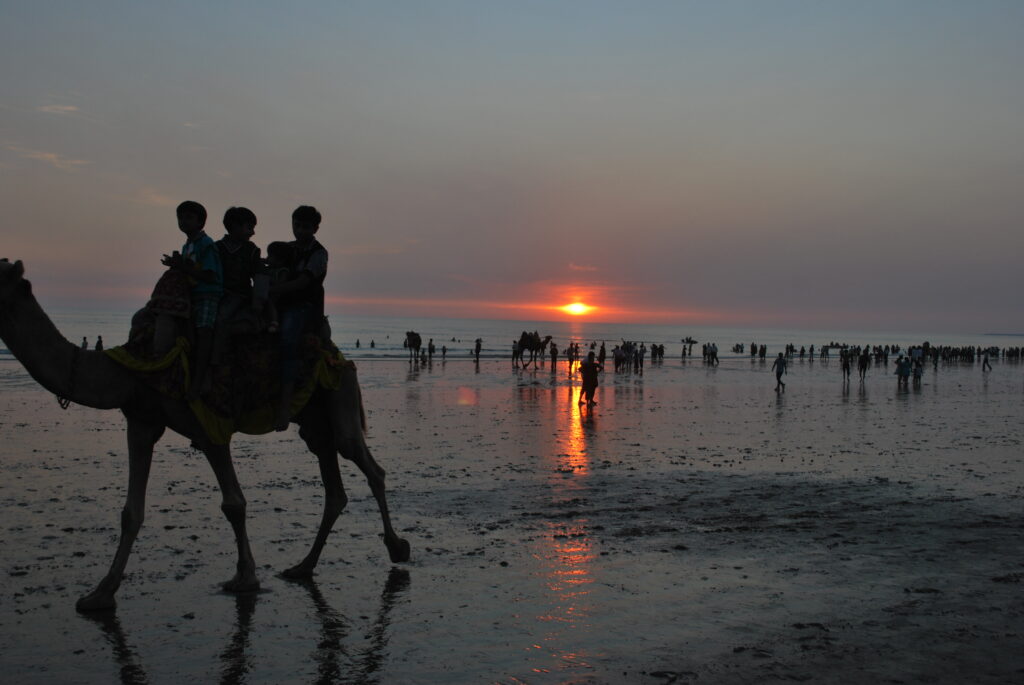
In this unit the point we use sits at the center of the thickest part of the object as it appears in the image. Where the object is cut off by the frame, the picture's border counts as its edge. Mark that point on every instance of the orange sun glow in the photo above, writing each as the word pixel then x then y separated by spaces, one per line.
pixel 576 308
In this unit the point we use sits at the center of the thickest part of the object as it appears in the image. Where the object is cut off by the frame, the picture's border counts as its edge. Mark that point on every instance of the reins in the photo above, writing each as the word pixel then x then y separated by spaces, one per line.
pixel 63 401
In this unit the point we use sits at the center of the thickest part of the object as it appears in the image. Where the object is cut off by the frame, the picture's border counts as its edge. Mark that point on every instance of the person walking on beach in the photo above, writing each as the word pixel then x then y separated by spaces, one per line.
pixel 85 343
pixel 985 366
pixel 554 356
pixel 779 366
pixel 476 349
pixel 588 372
pixel 862 363
pixel 844 356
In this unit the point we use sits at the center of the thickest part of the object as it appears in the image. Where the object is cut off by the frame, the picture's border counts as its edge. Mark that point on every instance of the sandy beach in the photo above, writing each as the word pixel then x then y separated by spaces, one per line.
pixel 693 527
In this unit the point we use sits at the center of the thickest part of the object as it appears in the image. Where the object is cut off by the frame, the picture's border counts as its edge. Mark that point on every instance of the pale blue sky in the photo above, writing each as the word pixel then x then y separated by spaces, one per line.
pixel 852 164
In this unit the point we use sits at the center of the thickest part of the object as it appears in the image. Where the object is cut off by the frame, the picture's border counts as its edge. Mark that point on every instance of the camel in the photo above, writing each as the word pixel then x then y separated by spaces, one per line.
pixel 534 344
pixel 413 341
pixel 331 423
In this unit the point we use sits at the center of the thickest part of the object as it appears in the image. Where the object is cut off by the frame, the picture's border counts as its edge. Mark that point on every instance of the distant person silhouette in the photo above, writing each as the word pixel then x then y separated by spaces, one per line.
pixel 985 365
pixel 85 343
pixel 779 366
pixel 99 342
pixel 476 349
pixel 588 373
pixel 554 356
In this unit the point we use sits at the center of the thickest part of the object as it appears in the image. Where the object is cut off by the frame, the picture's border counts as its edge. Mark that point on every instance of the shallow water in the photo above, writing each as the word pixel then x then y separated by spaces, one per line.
pixel 694 525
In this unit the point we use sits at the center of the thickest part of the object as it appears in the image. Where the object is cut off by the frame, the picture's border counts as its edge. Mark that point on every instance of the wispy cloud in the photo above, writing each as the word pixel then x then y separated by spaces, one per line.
pixel 581 267
pixel 152 196
pixel 58 109
pixel 59 161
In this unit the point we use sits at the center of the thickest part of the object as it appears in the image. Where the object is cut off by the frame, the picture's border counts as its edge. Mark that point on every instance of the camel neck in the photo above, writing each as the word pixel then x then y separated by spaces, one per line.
pixel 85 377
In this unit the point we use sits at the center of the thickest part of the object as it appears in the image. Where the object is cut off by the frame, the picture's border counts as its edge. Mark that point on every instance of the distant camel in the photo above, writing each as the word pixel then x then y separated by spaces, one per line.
pixel 413 341
pixel 534 344
pixel 331 422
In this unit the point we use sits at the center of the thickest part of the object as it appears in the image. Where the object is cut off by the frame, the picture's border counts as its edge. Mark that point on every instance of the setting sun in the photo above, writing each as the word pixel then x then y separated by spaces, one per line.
pixel 576 308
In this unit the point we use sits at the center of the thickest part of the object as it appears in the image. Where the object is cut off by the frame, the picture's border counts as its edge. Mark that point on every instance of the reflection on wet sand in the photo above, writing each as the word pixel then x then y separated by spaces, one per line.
pixel 334 662
pixel 124 654
pixel 566 550
pixel 235 658
pixel 364 666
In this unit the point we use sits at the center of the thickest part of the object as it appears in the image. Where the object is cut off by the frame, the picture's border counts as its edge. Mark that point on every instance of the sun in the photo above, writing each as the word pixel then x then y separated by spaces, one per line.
pixel 576 308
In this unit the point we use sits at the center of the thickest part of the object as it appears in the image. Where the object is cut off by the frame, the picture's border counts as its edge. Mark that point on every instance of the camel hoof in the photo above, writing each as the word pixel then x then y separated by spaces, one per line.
pixel 297 572
pixel 398 550
pixel 95 601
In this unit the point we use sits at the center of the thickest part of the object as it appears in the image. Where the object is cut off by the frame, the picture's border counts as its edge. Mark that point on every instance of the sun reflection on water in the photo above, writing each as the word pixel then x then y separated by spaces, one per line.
pixel 565 551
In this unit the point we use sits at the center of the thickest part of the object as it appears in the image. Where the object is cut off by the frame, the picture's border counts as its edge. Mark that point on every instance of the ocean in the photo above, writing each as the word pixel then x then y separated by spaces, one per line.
pixel 382 337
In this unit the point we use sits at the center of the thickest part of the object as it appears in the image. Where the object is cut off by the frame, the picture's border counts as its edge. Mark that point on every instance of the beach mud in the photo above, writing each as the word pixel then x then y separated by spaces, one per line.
pixel 693 527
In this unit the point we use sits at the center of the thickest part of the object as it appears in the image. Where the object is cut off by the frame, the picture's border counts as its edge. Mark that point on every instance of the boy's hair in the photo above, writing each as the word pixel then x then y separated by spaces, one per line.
pixel 195 208
pixel 307 214
pixel 239 215
pixel 281 252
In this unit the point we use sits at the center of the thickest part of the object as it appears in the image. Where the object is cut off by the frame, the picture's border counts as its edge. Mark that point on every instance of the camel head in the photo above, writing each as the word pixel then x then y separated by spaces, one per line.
pixel 12 281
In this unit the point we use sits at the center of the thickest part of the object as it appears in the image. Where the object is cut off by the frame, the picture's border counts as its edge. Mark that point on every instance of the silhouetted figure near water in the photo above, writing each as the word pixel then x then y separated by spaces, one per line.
pixel 85 343
pixel 588 373
pixel 554 356
pixel 779 366
pixel 476 349
pixel 902 370
pixel 985 365
pixel 844 358
pixel 99 342
pixel 412 343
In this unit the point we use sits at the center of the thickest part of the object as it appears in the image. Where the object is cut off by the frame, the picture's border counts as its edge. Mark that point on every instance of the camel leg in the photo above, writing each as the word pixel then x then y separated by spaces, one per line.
pixel 355 450
pixel 141 438
pixel 233 506
pixel 319 442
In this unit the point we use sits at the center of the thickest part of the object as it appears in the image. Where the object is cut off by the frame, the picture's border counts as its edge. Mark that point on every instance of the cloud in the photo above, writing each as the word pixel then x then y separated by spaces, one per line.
pixel 58 161
pixel 152 196
pixel 57 109
pixel 579 267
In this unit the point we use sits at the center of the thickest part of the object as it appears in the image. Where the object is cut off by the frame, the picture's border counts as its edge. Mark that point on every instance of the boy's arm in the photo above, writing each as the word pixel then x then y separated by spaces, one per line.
pixel 297 283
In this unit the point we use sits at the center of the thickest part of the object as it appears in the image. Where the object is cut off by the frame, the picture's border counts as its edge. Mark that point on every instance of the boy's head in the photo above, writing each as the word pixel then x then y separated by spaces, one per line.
pixel 305 222
pixel 191 217
pixel 240 223
pixel 280 254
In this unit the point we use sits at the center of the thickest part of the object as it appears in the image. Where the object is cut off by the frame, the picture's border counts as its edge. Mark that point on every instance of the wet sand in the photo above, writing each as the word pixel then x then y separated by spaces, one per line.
pixel 693 527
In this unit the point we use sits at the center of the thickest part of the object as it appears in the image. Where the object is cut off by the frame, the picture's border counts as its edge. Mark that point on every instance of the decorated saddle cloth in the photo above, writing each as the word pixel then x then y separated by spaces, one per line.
pixel 245 389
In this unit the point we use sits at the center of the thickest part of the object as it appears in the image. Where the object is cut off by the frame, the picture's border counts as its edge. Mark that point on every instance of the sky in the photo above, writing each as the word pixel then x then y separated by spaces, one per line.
pixel 814 164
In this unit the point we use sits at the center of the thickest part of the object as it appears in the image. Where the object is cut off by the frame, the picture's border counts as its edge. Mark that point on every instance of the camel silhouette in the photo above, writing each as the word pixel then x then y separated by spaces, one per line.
pixel 534 344
pixel 332 422
pixel 413 341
